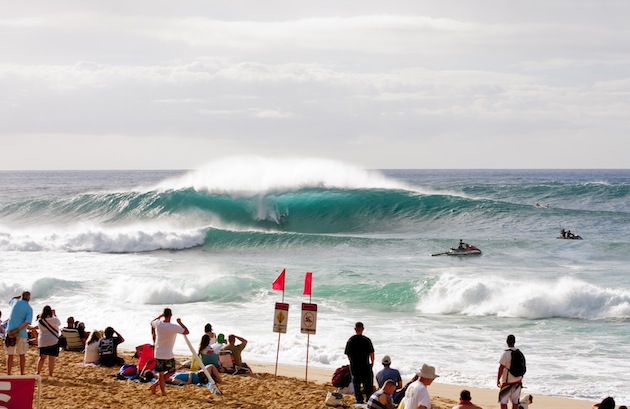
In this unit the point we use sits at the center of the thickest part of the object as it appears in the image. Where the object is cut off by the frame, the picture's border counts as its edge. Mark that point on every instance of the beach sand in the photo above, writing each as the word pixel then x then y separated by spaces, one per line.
pixel 77 386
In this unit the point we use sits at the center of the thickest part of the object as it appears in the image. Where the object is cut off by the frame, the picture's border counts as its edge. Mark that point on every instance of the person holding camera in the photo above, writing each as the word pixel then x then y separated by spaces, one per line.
pixel 48 339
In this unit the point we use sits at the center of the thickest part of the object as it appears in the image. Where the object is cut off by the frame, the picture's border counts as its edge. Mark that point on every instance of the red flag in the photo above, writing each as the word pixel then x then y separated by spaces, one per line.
pixel 278 283
pixel 308 284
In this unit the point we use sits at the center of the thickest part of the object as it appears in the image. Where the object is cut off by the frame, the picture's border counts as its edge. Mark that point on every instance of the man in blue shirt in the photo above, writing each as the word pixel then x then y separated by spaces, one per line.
pixel 20 318
pixel 388 373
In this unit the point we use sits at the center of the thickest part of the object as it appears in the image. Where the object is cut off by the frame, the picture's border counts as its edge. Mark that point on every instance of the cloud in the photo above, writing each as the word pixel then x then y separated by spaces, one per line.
pixel 388 84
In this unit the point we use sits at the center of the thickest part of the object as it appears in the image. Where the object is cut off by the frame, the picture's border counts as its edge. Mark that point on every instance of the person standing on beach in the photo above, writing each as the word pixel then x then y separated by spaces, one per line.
pixel 19 319
pixel 510 384
pixel 165 334
pixel 361 355
pixel 417 395
pixel 48 339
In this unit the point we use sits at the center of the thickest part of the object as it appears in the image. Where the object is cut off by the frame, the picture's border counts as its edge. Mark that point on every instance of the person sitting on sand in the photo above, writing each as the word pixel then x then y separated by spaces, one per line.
pixel 465 401
pixel 381 398
pixel 400 394
pixel 193 377
pixel 207 329
pixel 207 340
pixel 236 351
pixel 607 403
pixel 220 342
pixel 417 395
pixel 78 326
pixel 108 348
pixel 388 373
pixel 91 355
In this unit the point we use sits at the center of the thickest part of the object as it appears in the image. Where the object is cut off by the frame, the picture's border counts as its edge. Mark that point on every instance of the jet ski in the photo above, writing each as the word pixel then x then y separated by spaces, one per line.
pixel 567 235
pixel 464 249
pixel 467 251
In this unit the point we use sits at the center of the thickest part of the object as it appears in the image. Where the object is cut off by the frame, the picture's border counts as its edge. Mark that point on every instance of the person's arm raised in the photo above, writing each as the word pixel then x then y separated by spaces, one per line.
pixel 181 324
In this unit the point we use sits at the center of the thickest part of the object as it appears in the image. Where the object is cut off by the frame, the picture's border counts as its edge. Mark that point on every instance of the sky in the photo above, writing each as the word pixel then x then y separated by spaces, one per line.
pixel 379 84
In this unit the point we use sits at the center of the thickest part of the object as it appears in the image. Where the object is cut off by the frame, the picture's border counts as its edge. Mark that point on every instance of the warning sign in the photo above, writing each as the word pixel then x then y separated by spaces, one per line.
pixel 309 318
pixel 280 318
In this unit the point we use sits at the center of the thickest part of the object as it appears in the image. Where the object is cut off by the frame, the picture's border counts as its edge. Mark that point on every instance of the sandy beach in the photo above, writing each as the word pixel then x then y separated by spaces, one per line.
pixel 74 385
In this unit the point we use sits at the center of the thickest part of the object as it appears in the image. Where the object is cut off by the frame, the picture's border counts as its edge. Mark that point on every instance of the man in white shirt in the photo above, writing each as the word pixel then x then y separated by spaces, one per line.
pixel 417 395
pixel 509 384
pixel 165 333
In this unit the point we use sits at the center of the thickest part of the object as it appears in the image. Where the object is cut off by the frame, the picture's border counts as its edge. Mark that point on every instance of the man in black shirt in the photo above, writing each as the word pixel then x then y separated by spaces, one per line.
pixel 361 355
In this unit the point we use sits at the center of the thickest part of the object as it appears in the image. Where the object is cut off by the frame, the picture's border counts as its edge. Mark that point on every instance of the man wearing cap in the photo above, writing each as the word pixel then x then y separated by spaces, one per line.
pixel 361 355
pixel 20 318
pixel 388 373
pixel 216 347
pixel 417 395
pixel 381 398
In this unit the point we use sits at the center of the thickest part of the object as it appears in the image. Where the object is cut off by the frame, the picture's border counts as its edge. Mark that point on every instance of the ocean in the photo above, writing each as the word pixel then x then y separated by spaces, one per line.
pixel 113 248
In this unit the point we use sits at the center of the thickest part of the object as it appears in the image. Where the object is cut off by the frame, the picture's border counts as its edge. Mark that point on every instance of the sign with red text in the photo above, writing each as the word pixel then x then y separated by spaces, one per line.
pixel 281 317
pixel 309 318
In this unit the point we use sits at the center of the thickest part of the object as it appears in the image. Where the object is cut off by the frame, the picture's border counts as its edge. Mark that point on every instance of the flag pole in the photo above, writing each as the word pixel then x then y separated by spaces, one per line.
pixel 278 284
pixel 275 374
pixel 308 336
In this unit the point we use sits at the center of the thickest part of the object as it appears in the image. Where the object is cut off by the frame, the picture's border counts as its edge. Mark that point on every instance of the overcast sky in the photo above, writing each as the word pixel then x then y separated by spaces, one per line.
pixel 380 84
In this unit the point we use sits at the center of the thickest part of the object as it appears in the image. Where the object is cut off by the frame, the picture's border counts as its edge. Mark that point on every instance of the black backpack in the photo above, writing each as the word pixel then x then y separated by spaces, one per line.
pixel 517 366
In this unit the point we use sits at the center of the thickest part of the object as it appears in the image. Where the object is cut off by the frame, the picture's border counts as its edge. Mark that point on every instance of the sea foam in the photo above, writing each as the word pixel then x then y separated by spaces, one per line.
pixel 565 297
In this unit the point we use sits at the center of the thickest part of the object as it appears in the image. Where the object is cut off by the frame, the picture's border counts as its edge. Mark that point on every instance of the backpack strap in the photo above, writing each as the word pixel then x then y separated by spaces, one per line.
pixel 47 326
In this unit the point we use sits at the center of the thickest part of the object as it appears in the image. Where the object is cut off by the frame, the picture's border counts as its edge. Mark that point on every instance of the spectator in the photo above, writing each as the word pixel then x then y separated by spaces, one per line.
pixel 48 339
pixel 237 351
pixel 360 352
pixel 91 355
pixel 465 401
pixel 388 373
pixel 165 334
pixel 108 348
pixel 19 319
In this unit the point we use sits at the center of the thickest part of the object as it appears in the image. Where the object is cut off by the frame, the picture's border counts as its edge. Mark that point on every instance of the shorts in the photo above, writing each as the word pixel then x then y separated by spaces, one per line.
pixel 20 347
pixel 513 395
pixel 52 350
pixel 164 365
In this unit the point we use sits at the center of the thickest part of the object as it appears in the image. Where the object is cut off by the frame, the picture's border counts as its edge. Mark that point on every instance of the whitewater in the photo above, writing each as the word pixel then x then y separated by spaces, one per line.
pixel 116 247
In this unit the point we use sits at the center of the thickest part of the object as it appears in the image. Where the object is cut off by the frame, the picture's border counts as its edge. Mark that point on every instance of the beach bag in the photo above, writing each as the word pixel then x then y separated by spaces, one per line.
pixel 333 399
pixel 342 378
pixel 11 338
pixel 62 343
pixel 127 371
pixel 517 365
